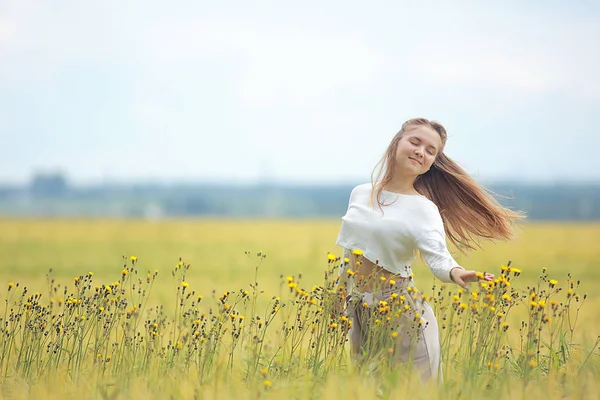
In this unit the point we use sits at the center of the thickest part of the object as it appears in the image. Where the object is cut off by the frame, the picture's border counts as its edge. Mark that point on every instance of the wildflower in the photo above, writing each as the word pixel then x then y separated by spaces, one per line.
pixel 133 258
pixel 267 384
pixel 124 272
pixel 542 303
pixel 10 285
pixel 407 307
pixel 330 257
pixel 357 252
pixel 552 282
pixel 333 326
pixel 200 297
pixel 346 260
pixel 516 271
pixel 504 268
pixel 533 363
pixel 366 305
pixel 392 282
pixel 184 284
pixel 500 315
pixel 533 304
pixel 383 279
pixel 351 273
pixel 90 273
pixel 479 275
pixel 506 296
pixel 290 278
pixel 475 295
pixel 546 318
pixel 264 371
pixel 292 285
pixel 463 306
pixel 505 327
pixel 107 359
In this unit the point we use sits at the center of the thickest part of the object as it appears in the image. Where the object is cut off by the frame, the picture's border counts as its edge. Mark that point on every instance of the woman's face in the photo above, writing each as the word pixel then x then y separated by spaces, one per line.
pixel 417 150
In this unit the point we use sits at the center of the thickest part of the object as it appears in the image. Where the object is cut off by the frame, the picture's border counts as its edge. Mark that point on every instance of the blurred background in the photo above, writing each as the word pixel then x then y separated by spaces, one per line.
pixel 196 108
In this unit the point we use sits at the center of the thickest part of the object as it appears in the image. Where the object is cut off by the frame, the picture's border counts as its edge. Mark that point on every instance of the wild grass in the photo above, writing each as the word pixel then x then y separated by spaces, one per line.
pixel 251 324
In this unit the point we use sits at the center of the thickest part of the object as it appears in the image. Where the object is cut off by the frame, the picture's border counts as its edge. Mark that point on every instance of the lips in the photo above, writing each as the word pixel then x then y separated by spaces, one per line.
pixel 420 163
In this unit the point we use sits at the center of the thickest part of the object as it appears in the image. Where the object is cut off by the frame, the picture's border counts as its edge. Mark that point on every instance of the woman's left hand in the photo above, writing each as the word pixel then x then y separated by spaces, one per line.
pixel 462 276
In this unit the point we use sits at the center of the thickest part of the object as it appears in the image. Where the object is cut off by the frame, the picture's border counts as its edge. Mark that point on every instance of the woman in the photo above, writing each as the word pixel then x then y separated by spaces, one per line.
pixel 419 198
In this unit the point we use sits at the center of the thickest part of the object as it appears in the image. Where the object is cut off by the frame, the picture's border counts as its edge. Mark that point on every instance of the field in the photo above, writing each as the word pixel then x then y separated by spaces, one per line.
pixel 139 350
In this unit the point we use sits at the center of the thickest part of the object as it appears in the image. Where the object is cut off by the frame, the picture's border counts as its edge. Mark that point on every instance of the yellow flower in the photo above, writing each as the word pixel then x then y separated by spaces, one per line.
pixel 184 284
pixel 10 285
pixel 383 279
pixel 267 384
pixel 357 252
pixel 542 303
pixel 133 258
pixel 463 306
pixel 124 272
pixel 351 273
pixel 330 257
pixel 392 282
pixel 290 278
pixel 292 285
pixel 394 334
pixel 90 273
pixel 532 363
pixel 553 282
pixel 264 371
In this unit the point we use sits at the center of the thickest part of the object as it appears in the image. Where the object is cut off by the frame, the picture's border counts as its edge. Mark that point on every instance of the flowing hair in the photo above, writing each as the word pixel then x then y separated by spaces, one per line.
pixel 468 210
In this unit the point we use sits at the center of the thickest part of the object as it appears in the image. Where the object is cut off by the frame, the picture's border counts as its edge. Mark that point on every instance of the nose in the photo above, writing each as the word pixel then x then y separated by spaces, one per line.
pixel 418 152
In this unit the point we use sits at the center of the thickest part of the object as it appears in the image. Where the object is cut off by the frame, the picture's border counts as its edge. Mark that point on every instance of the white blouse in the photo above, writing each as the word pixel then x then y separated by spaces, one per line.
pixel 389 239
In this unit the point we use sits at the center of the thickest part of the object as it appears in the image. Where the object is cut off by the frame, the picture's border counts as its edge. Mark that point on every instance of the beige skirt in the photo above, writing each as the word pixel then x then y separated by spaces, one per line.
pixel 395 325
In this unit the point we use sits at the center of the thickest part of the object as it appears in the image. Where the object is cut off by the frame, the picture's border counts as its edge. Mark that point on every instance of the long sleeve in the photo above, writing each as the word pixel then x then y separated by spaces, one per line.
pixel 432 244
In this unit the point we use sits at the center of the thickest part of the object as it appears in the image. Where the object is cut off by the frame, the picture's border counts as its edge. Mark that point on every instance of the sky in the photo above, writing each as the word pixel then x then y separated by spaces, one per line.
pixel 311 91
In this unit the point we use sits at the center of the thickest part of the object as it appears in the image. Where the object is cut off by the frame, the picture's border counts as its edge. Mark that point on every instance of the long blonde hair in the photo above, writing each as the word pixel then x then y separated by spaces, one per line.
pixel 468 210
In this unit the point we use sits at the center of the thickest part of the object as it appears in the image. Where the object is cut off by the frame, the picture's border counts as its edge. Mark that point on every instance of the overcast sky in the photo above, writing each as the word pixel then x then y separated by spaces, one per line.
pixel 311 91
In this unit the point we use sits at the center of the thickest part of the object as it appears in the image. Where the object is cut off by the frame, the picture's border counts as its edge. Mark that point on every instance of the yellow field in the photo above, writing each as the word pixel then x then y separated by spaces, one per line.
pixel 216 251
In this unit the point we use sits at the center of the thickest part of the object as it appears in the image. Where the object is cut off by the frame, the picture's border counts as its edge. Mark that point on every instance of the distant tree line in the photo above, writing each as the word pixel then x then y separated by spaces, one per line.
pixel 51 195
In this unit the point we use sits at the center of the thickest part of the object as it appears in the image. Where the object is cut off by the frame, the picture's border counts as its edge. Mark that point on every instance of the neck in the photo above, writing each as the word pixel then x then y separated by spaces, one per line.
pixel 402 184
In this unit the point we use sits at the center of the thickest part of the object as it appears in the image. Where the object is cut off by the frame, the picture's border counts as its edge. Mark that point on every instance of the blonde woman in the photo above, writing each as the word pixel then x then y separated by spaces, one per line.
pixel 419 199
